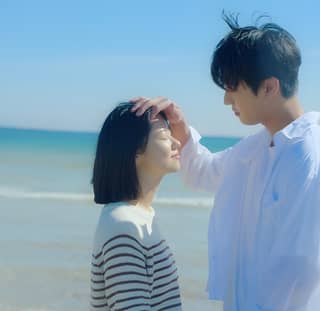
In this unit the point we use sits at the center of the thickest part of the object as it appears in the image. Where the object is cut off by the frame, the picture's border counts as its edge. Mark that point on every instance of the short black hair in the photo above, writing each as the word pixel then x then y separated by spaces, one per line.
pixel 253 54
pixel 122 136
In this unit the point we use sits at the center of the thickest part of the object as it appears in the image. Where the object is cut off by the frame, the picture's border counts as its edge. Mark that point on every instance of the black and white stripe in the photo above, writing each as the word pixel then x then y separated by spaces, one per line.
pixel 127 274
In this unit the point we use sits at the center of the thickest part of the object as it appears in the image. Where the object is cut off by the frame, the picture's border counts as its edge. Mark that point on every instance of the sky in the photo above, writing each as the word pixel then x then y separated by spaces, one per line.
pixel 65 64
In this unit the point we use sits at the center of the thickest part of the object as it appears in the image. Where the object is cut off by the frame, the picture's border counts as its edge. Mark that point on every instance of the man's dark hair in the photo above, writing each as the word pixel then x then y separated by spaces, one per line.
pixel 253 54
pixel 122 136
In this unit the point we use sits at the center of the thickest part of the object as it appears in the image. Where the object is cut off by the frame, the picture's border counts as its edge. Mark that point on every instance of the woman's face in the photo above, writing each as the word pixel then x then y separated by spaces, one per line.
pixel 161 155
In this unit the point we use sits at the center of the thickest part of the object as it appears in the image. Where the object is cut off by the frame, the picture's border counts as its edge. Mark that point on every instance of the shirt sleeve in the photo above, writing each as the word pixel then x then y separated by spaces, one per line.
pixel 119 277
pixel 200 168
pixel 290 271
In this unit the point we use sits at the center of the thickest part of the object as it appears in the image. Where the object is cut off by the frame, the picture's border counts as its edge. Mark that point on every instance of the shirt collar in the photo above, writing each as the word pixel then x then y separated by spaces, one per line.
pixel 297 128
pixel 252 145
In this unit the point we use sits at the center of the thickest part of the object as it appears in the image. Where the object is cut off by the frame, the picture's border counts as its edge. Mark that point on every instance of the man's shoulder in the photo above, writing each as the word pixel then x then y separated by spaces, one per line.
pixel 304 129
pixel 300 157
pixel 305 150
pixel 305 140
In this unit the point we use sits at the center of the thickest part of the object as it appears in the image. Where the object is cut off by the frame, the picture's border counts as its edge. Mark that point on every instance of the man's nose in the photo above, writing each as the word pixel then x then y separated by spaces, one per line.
pixel 227 98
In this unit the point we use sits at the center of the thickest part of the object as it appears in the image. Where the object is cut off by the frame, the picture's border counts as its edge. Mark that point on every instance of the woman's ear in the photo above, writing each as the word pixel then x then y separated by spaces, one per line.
pixel 138 158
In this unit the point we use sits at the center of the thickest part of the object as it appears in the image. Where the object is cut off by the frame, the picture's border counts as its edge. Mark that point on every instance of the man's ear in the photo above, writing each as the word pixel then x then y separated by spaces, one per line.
pixel 271 87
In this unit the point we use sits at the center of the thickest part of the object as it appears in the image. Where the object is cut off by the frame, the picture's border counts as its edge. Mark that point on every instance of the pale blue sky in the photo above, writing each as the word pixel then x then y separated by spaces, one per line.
pixel 65 64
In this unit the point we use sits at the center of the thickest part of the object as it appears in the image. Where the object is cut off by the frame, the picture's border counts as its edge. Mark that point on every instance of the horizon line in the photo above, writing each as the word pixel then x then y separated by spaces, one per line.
pixel 78 131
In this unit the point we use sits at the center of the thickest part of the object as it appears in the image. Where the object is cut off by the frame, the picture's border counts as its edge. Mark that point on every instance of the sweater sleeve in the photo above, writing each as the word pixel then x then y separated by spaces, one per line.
pixel 200 168
pixel 119 276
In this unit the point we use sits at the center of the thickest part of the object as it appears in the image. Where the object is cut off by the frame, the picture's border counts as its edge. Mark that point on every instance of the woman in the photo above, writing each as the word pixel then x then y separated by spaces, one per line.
pixel 132 265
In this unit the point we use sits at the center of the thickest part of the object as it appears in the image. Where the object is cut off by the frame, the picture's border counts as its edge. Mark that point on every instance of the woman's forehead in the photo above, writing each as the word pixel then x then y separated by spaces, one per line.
pixel 159 123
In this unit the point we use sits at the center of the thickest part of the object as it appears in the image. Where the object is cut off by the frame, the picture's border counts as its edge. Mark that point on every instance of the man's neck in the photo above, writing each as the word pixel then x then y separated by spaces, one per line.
pixel 284 112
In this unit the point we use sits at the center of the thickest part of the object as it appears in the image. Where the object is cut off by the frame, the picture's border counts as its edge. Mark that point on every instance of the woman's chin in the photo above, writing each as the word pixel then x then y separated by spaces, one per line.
pixel 175 168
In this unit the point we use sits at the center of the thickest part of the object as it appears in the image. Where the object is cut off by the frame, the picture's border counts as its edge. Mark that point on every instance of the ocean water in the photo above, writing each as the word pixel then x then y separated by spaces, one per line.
pixel 47 221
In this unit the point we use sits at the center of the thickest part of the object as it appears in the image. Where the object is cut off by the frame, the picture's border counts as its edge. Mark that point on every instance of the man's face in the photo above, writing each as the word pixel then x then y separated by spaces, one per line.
pixel 245 104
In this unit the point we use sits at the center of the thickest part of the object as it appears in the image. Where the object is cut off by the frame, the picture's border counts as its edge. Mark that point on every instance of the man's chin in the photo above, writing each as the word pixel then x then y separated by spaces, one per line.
pixel 248 122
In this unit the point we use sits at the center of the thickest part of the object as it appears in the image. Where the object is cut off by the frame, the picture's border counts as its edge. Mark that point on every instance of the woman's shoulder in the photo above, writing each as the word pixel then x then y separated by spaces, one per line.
pixel 120 220
pixel 116 218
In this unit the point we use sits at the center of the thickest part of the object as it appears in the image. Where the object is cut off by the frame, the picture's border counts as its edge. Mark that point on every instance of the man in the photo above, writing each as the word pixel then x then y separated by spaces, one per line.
pixel 264 231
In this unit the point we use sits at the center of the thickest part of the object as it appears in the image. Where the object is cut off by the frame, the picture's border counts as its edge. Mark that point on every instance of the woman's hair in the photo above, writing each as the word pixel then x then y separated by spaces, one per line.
pixel 253 54
pixel 122 136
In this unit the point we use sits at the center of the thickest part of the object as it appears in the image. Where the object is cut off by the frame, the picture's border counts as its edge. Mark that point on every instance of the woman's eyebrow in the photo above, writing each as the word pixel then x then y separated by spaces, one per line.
pixel 165 130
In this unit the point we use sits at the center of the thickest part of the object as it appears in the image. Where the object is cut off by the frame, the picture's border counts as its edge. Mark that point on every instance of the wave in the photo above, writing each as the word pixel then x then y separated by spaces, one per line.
pixel 24 194
pixel 5 308
pixel 183 202
pixel 12 193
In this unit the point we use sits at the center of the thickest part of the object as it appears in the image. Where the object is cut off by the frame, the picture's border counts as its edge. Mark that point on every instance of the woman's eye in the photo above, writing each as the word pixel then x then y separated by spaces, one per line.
pixel 163 136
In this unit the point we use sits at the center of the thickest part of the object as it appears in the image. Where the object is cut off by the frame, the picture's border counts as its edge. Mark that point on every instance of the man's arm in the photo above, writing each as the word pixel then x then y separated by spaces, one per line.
pixel 200 168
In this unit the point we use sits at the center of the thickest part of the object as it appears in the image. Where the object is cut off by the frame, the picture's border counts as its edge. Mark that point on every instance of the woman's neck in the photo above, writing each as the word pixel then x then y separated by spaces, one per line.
pixel 148 188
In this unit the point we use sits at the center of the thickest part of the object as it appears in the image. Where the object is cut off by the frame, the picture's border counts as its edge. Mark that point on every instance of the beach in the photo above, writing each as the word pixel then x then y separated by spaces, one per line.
pixel 48 220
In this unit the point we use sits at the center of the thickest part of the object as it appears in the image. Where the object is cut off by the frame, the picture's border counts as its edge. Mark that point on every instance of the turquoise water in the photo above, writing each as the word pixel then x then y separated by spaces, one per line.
pixel 48 220
pixel 47 164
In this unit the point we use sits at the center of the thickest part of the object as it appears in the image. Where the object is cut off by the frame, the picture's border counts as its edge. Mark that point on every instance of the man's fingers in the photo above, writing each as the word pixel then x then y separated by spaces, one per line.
pixel 143 108
pixel 142 104
pixel 157 104
pixel 162 106
pixel 136 106
pixel 137 101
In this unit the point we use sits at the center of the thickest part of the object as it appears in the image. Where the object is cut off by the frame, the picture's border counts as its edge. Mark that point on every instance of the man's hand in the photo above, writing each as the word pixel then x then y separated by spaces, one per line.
pixel 178 125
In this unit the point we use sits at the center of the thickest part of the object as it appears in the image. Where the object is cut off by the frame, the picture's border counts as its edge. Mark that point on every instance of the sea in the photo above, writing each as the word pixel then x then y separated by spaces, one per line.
pixel 48 218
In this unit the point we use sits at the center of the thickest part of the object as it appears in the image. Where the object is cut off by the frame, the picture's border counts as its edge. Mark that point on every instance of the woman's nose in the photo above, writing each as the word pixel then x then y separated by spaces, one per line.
pixel 176 143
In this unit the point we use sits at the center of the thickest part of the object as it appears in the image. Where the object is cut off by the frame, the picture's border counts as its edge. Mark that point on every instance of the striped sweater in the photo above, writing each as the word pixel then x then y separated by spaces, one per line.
pixel 132 265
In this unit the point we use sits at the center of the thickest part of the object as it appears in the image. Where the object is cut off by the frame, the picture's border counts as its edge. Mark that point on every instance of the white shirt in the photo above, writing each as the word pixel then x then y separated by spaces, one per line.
pixel 264 231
